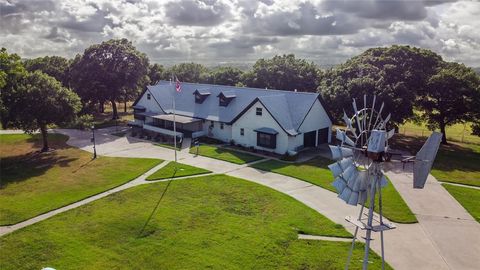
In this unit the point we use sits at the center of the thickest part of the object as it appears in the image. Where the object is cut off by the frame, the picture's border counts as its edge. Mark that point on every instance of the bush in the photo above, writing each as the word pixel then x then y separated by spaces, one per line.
pixel 232 142
pixel 288 157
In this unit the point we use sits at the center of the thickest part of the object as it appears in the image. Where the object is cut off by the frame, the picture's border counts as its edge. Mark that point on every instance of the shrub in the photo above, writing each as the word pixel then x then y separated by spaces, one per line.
pixel 83 121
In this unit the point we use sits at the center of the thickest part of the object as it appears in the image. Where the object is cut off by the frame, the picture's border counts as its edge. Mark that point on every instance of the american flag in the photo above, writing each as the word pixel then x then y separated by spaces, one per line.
pixel 178 85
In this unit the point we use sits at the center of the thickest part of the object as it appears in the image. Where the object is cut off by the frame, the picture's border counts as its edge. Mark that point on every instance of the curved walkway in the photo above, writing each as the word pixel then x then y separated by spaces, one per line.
pixel 429 244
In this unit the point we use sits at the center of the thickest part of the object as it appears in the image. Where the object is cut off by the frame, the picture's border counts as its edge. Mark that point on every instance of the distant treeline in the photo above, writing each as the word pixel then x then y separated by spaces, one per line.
pixel 414 83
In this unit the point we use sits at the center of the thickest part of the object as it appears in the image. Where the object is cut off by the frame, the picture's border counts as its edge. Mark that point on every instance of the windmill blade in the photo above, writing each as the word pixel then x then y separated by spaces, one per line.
pixel 390 133
pixel 348 122
pixel 340 152
pixel 378 114
pixel 356 116
pixel 424 159
pixel 371 113
pixel 339 167
pixel 364 120
pixel 342 136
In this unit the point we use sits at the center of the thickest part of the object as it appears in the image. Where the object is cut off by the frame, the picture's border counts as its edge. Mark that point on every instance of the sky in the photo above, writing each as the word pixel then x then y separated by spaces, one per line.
pixel 240 31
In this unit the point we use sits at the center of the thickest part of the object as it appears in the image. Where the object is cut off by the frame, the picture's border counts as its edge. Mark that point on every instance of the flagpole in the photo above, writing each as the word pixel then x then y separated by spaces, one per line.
pixel 174 125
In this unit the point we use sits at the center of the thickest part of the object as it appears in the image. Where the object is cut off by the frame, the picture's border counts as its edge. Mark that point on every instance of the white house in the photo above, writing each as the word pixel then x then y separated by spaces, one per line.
pixel 271 120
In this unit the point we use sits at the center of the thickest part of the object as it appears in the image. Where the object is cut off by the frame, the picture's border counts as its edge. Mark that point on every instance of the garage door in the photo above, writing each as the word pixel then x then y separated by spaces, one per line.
pixel 322 136
pixel 309 138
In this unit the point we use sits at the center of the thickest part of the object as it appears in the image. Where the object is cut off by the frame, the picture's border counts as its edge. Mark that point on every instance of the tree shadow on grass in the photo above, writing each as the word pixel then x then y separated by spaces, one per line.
pixel 19 168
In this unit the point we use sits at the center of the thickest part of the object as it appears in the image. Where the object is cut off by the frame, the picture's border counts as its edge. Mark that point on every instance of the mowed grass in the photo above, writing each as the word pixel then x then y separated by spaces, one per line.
pixel 455 162
pixel 174 169
pixel 469 198
pixel 315 171
pixel 33 183
pixel 458 132
pixel 229 155
pixel 214 222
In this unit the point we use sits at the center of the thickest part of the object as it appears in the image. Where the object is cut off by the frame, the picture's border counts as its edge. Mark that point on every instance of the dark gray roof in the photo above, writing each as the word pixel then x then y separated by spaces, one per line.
pixel 287 107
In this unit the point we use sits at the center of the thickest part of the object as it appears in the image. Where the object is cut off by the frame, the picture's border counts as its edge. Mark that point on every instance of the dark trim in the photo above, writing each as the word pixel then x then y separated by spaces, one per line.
pixel 319 98
pixel 140 96
pixel 273 139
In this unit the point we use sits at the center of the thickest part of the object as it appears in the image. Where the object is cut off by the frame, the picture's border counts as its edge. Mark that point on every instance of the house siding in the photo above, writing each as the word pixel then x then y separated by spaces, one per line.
pixel 249 121
pixel 150 104
pixel 316 119
pixel 224 135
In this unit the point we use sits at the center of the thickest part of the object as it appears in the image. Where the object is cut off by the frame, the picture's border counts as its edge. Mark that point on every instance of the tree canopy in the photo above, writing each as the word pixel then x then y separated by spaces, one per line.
pixel 12 72
pixel 284 72
pixel 55 66
pixel 156 72
pixel 41 100
pixel 452 95
pixel 106 71
pixel 225 76
pixel 395 74
pixel 189 72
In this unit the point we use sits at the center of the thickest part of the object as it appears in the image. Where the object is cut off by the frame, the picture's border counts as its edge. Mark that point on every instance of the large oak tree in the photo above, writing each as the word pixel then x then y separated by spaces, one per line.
pixel 55 66
pixel 395 74
pixel 452 95
pixel 106 71
pixel 41 100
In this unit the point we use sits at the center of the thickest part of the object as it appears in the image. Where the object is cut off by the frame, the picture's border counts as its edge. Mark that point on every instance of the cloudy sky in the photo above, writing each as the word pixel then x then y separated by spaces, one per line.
pixel 215 31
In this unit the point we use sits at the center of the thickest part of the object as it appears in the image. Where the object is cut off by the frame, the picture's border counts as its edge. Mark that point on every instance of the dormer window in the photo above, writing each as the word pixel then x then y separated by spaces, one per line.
pixel 200 96
pixel 225 97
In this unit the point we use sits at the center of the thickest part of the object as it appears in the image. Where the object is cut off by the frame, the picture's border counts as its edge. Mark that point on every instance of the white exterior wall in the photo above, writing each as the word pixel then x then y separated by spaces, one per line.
pixel 224 135
pixel 316 119
pixel 150 104
pixel 249 121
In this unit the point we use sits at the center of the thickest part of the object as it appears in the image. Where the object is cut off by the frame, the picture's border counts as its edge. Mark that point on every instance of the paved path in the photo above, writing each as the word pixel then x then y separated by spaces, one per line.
pixel 453 231
pixel 425 245
pixel 460 185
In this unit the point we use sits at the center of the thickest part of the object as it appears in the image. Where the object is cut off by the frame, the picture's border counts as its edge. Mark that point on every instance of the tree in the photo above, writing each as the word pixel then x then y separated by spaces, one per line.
pixel 283 72
pixel 395 74
pixel 452 96
pixel 55 66
pixel 40 101
pixel 11 73
pixel 225 76
pixel 189 72
pixel 156 73
pixel 105 70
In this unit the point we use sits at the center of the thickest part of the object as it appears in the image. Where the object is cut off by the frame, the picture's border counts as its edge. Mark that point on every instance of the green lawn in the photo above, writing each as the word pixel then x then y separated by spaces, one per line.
pixel 174 169
pixel 224 154
pixel 455 162
pixel 33 183
pixel 211 222
pixel 315 171
pixel 457 132
pixel 469 198
pixel 169 146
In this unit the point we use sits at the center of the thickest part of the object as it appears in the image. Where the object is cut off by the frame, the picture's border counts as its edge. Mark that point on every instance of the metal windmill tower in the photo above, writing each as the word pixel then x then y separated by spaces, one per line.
pixel 358 170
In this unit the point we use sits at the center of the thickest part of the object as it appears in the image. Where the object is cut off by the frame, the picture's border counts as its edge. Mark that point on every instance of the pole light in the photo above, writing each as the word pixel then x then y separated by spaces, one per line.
pixel 93 140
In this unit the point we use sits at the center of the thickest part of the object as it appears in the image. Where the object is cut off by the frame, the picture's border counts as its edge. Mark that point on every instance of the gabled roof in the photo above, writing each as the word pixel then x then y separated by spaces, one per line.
pixel 288 108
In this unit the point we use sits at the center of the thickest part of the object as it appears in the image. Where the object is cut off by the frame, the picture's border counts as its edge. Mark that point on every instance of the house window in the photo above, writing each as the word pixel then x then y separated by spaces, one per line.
pixel 149 96
pixel 259 111
pixel 221 125
pixel 212 125
pixel 242 132
pixel 222 101
pixel 266 140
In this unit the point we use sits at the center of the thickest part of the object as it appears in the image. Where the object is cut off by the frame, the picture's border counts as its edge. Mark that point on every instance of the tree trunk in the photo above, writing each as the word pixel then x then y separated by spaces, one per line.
pixel 43 130
pixel 101 107
pixel 444 135
pixel 114 108
pixel 125 106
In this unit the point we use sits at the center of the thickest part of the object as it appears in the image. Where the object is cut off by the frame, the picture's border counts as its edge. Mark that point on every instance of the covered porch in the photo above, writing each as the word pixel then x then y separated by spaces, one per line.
pixel 185 126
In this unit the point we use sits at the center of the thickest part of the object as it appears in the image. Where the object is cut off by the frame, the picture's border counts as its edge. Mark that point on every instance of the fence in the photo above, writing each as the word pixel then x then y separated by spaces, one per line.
pixel 457 134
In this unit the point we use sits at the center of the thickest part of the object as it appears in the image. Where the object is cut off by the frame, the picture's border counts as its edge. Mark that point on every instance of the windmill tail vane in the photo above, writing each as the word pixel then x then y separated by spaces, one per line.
pixel 358 169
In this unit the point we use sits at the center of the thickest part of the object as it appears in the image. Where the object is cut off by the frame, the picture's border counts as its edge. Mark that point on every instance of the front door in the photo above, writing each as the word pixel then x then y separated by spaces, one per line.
pixel 309 138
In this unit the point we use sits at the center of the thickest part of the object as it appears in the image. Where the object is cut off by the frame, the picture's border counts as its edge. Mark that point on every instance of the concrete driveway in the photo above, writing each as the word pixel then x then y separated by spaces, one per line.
pixel 446 237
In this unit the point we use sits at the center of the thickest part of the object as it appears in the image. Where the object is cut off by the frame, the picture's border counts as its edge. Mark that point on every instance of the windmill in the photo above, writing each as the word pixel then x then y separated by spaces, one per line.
pixel 358 174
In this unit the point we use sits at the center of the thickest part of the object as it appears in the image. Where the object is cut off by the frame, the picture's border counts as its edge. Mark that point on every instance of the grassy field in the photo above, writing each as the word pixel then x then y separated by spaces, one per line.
pixel 214 222
pixel 102 120
pixel 224 154
pixel 455 162
pixel 33 183
pixel 469 198
pixel 174 169
pixel 457 132
pixel 315 171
